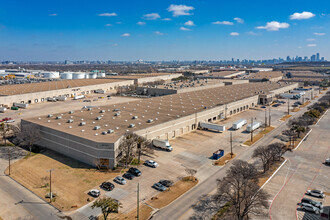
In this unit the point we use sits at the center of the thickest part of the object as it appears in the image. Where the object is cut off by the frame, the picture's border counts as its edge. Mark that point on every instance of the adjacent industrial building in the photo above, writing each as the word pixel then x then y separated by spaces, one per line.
pixel 92 135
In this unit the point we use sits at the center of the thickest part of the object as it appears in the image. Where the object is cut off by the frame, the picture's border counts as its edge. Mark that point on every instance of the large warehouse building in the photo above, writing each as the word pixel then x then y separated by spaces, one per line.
pixel 94 134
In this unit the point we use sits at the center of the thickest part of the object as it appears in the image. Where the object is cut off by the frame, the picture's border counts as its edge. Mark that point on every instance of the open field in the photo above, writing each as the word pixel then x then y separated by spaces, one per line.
pixel 71 180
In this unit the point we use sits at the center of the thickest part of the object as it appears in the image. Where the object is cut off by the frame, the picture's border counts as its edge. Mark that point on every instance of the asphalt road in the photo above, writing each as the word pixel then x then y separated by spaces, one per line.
pixel 182 208
pixel 16 202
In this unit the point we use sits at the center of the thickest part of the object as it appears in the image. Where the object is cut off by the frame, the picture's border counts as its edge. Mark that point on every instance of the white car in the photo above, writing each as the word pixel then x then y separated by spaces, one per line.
pixel 94 192
pixel 120 180
pixel 310 208
pixel 151 163
pixel 315 193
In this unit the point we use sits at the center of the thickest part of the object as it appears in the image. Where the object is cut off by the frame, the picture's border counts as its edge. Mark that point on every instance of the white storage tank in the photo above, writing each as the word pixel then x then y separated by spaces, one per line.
pixel 92 75
pixel 87 76
pixel 100 75
pixel 78 75
pixel 66 75
pixel 51 75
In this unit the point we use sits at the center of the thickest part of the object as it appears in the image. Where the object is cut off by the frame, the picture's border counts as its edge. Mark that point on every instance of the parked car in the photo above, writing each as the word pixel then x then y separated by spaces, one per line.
pixel 134 171
pixel 166 183
pixel 151 163
pixel 263 106
pixel 94 192
pixel 159 187
pixel 327 161
pixel 120 180
pixel 107 186
pixel 315 193
pixel 276 105
pixel 87 100
pixel 128 176
pixel 312 202
pixel 310 208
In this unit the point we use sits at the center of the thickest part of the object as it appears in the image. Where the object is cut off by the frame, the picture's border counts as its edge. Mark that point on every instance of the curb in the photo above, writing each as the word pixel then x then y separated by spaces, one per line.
pixel 296 148
pixel 273 174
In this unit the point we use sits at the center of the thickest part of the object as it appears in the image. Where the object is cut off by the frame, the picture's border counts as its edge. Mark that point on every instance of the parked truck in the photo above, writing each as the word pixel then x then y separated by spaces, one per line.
pixel 50 99
pixel 20 105
pixel 100 91
pixel 79 97
pixel 252 127
pixel 162 144
pixel 301 93
pixel 238 124
pixel 210 126
pixel 290 96
pixel 61 98
pixel 3 109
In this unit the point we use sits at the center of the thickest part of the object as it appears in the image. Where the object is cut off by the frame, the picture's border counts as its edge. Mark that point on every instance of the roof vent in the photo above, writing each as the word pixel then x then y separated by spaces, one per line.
pixel 71 112
pixel 59 123
pixel 70 121
pixel 89 109
pixel 58 117
pixel 150 120
pixel 156 119
pixel 131 125
pixel 70 126
pixel 104 132
pixel 49 116
pixel 117 114
pixel 82 130
pixel 48 121
pixel 98 118
pixel 96 134
pixel 82 123
pixel 102 111
pixel 97 127
pixel 105 125
pixel 135 117
pixel 110 131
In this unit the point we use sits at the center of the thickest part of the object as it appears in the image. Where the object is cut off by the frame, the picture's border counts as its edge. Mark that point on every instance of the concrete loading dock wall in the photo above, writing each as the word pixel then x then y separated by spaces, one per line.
pixel 177 114
pixel 42 96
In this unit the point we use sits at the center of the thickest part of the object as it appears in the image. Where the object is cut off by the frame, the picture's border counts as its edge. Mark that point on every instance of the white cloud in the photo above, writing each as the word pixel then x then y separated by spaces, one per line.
pixel 234 34
pixel 310 39
pixel 223 22
pixel 126 35
pixel 141 23
pixel 158 33
pixel 184 29
pixel 151 16
pixel 166 19
pixel 274 26
pixel 189 23
pixel 252 33
pixel 311 45
pixel 302 16
pixel 179 10
pixel 113 14
pixel 319 34
pixel 108 25
pixel 53 15
pixel 119 22
pixel 299 47
pixel 239 20
pixel 115 45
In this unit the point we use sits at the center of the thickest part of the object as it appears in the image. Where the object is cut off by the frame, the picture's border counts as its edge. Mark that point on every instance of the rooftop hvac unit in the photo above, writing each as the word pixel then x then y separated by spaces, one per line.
pixel 97 127
pixel 116 110
pixel 89 109
pixel 71 112
pixel 135 117
pixel 104 132
pixel 150 120
pixel 70 121
pixel 49 116
pixel 117 114
pixel 110 131
pixel 102 111
pixel 82 123
pixel 58 117
pixel 131 125
pixel 98 118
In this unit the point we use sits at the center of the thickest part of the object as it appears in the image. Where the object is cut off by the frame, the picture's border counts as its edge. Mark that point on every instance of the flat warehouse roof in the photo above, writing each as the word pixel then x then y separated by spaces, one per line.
pixel 139 76
pixel 264 75
pixel 51 85
pixel 159 109
pixel 223 73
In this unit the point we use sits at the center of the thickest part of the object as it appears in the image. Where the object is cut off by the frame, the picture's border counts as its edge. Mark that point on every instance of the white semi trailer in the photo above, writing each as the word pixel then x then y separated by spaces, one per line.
pixel 61 98
pixel 290 96
pixel 79 97
pixel 20 105
pixel 238 124
pixel 162 144
pixel 210 126
pixel 252 127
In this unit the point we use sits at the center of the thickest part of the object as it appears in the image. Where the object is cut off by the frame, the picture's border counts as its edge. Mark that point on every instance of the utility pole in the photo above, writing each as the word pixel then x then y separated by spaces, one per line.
pixel 138 202
pixel 231 145
pixel 9 157
pixel 251 129
pixel 265 117
pixel 269 117
pixel 50 185
pixel 288 106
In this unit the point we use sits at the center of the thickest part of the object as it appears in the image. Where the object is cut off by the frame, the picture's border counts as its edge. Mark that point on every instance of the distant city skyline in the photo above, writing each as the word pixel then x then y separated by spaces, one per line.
pixel 162 30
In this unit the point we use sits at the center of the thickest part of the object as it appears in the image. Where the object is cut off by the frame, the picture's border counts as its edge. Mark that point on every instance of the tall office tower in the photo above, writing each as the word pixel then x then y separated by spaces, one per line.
pixel 313 57
pixel 317 57
pixel 288 58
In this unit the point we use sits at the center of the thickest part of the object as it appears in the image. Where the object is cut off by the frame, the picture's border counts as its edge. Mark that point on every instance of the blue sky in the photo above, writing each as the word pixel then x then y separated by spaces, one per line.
pixel 56 30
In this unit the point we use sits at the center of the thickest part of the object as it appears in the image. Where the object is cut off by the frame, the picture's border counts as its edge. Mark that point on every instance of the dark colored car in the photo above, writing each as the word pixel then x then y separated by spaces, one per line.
pixel 134 171
pixel 107 186
pixel 166 183
pixel 263 106
pixel 128 176
pixel 312 202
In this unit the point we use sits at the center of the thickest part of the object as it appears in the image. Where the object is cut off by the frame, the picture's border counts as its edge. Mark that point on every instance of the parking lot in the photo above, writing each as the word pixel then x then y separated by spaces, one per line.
pixel 304 170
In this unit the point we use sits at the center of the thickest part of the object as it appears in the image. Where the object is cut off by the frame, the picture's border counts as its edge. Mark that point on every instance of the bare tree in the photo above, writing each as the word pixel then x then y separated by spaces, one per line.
pixel 276 151
pixel 5 130
pixel 264 155
pixel 27 135
pixel 191 173
pixel 239 188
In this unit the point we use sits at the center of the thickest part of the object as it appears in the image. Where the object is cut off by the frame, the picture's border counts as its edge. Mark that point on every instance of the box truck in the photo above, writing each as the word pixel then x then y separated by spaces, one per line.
pixel 252 127
pixel 238 124
pixel 210 126
pixel 290 96
pixel 61 98
pixel 79 97
pixel 3 109
pixel 20 105
pixel 163 144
